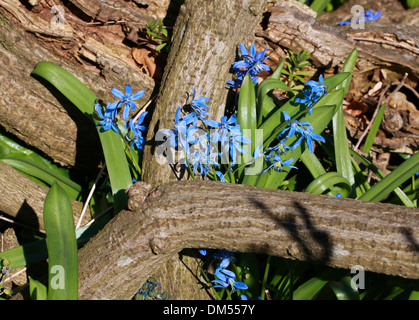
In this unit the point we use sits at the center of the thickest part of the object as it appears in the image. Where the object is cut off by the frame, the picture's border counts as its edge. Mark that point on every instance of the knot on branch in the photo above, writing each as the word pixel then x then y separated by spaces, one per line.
pixel 138 193
pixel 157 245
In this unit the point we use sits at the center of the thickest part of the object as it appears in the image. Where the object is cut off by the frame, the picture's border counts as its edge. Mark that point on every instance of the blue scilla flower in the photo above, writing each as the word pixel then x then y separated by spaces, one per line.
pixel 203 162
pixel 294 126
pixel 277 163
pixel 222 128
pixel 179 130
pixel 127 100
pixel 253 62
pixel 313 91
pixel 367 16
pixel 138 129
pixel 199 106
pixel 227 277
pixel 310 137
pixel 280 147
pixel 235 142
pixel 108 117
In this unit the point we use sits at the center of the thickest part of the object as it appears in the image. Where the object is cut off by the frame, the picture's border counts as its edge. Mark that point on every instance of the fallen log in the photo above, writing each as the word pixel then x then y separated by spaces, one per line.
pixel 161 221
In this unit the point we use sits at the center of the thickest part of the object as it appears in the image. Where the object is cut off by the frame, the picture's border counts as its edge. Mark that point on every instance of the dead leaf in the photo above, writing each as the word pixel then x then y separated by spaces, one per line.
pixel 145 59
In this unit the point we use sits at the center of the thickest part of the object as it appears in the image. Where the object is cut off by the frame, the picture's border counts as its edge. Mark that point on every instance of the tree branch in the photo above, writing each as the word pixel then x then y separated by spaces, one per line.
pixel 162 221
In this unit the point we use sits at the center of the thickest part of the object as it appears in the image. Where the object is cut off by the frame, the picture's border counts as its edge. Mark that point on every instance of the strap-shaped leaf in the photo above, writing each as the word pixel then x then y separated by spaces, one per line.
pixel 84 99
pixel 61 245
pixel 329 181
pixel 342 156
pixel 395 179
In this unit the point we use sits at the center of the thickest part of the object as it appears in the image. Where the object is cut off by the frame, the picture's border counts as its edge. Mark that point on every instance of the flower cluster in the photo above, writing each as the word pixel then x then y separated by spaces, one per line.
pixel 206 141
pixel 109 116
pixel 367 16
pixel 313 91
pixel 273 155
pixel 225 277
pixel 252 63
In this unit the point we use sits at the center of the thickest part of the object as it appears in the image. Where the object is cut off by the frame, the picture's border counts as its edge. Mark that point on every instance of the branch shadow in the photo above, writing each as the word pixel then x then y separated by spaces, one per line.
pixel 408 234
pixel 293 229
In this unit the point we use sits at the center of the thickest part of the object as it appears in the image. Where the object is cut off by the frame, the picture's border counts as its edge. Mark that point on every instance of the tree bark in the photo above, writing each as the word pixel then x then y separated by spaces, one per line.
pixel 30 112
pixel 337 232
pixel 204 43
pixel 381 238
pixel 23 199
pixel 379 45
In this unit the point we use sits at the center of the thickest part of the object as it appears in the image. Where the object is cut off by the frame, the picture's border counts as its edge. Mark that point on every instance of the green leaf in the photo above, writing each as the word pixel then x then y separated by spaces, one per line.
pixel 395 179
pixel 319 6
pixel 36 167
pixel 61 245
pixel 246 116
pixel 342 155
pixel 328 182
pixel 277 73
pixel 335 80
pixel 37 290
pixel 264 103
pixel 246 112
pixel 344 290
pixel 399 193
pixel 160 46
pixel 84 99
pixel 26 254
pixel 313 164
pixel 374 129
pixel 309 289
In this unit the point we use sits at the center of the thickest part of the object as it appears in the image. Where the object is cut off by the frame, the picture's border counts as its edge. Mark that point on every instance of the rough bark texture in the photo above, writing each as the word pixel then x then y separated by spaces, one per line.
pixel 31 113
pixel 146 240
pixel 337 232
pixel 204 43
pixel 23 199
pixel 378 45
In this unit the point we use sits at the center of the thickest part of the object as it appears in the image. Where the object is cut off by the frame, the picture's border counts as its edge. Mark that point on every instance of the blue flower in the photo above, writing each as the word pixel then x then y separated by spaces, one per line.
pixel 235 141
pixel 137 128
pixel 277 163
pixel 127 99
pixel 203 251
pixel 199 106
pixel 310 137
pixel 203 161
pixel 313 91
pixel 179 131
pixel 227 277
pixel 305 131
pixel 223 128
pixel 280 148
pixel 367 16
pixel 252 63
pixel 108 117
pixel 294 126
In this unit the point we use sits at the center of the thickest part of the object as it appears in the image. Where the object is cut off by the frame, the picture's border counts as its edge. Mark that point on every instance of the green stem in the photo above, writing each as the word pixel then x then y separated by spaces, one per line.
pixel 265 278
